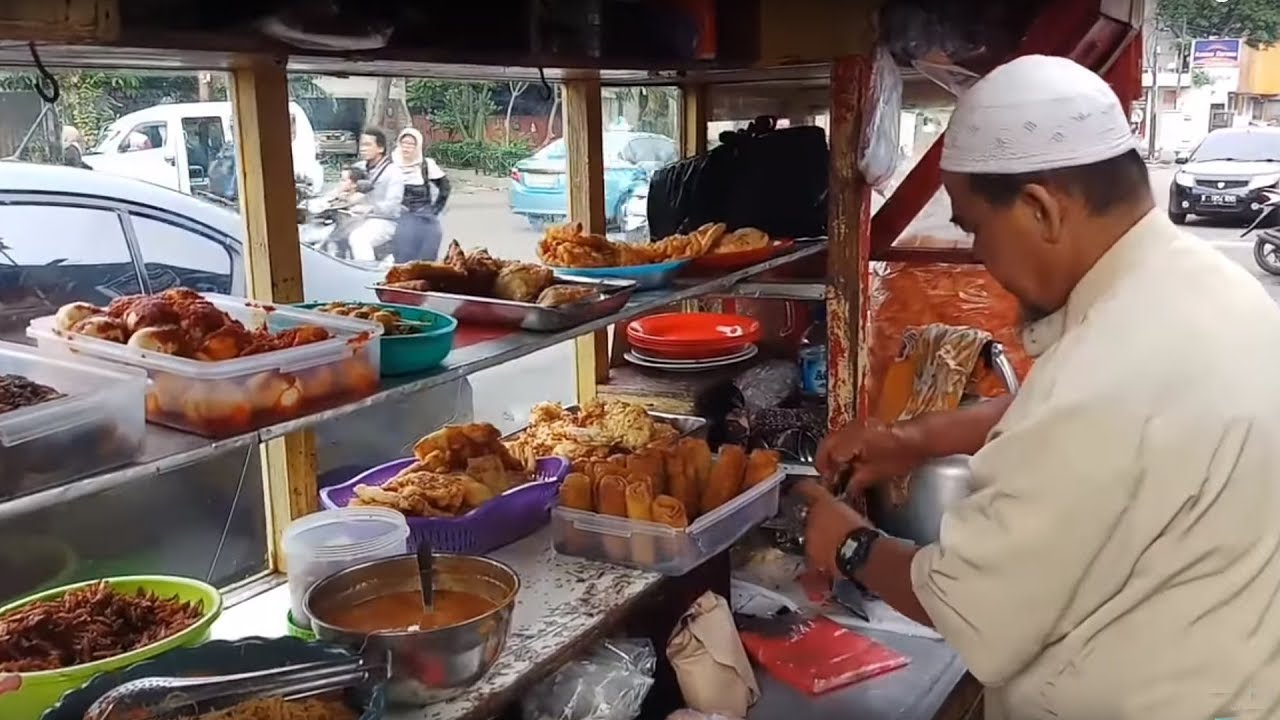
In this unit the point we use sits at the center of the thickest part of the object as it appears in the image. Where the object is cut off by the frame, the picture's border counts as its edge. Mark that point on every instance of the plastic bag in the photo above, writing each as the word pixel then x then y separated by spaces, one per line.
pixel 881 150
pixel 905 295
pixel 609 684
pixel 816 655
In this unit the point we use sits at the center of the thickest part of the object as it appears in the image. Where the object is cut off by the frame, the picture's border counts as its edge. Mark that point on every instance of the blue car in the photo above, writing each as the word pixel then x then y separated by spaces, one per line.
pixel 539 184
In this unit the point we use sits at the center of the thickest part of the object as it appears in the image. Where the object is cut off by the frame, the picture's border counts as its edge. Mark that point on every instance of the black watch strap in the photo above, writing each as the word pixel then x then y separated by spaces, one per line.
pixel 852 554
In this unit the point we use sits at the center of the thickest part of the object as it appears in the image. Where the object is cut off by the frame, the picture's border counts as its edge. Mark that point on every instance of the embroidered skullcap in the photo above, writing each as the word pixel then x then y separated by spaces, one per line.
pixel 1032 114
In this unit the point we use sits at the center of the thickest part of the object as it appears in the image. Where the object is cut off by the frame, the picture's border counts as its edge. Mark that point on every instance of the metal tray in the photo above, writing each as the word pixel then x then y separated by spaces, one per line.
pixel 526 316
pixel 685 425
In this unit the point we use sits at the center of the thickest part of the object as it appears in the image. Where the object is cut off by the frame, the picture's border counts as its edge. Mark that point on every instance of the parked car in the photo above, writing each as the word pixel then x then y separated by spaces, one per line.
pixel 69 234
pixel 1226 173
pixel 342 143
pixel 174 145
pixel 539 184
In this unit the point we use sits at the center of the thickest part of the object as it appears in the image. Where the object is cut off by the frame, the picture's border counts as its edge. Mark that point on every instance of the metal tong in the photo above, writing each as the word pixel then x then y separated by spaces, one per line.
pixel 164 698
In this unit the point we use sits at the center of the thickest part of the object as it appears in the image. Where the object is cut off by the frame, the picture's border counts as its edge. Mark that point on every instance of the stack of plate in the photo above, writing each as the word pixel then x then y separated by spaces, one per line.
pixel 689 342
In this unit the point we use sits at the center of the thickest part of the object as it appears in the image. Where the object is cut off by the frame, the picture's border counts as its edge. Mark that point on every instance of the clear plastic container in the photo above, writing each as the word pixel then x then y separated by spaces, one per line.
pixel 660 548
pixel 323 543
pixel 233 397
pixel 97 426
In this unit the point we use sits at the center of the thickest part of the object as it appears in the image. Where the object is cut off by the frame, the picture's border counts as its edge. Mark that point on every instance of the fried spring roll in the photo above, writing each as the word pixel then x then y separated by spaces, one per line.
pixel 640 508
pixel 698 463
pixel 611 496
pixel 575 492
pixel 726 477
pixel 649 462
pixel 682 484
pixel 670 511
pixel 761 464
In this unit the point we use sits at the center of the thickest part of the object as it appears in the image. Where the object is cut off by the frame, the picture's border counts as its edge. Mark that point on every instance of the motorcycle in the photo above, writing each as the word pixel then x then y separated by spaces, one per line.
pixel 1266 248
pixel 634 218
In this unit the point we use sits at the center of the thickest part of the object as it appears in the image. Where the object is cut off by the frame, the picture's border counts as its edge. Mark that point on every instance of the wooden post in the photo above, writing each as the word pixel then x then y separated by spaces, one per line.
pixel 693 119
pixel 76 21
pixel 584 137
pixel 849 230
pixel 273 260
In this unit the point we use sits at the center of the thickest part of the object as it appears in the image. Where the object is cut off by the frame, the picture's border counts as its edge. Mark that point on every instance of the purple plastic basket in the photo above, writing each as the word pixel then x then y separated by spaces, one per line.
pixel 501 521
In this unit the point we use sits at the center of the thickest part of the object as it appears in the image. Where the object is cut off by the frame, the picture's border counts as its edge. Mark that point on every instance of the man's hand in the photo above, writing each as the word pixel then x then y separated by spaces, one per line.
pixel 875 451
pixel 829 522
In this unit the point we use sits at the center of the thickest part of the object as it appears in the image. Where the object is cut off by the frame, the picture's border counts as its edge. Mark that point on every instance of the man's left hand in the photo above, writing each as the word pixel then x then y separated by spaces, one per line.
pixel 829 523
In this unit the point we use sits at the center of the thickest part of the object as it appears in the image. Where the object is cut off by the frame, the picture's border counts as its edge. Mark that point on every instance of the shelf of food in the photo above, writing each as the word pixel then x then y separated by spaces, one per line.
pixel 166 449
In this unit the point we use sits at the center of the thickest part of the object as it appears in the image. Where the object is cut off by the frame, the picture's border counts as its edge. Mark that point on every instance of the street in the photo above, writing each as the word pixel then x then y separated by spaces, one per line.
pixel 477 216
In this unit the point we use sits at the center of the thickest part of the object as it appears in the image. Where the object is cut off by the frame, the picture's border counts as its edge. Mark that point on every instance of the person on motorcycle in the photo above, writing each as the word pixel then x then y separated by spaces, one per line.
pixel 384 193
pixel 418 233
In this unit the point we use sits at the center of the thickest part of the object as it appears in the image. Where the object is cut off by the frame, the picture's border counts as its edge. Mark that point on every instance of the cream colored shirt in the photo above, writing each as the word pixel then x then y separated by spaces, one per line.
pixel 1121 556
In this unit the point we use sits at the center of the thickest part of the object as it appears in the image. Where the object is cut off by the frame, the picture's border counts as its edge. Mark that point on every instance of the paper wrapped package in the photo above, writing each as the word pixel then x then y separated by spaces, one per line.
pixel 711 665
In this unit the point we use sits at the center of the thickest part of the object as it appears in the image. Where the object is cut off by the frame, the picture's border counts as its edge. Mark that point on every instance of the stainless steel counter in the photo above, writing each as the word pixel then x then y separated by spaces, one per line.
pixel 914 692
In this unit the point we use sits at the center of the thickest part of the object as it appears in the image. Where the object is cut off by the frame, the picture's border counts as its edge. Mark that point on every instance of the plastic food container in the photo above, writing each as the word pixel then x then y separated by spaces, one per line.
pixel 415 353
pixel 233 397
pixel 660 548
pixel 98 425
pixel 322 543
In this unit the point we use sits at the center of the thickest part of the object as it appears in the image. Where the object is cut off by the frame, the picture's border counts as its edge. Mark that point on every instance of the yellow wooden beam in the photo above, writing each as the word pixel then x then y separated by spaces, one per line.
pixel 63 21
pixel 273 260
pixel 584 137
pixel 694 106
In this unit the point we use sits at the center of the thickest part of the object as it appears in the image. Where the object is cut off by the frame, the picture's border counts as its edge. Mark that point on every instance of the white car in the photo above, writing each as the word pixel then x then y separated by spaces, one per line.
pixel 71 234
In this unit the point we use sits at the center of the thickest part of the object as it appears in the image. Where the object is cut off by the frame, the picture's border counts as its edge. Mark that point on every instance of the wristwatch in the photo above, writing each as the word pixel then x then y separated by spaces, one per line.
pixel 854 551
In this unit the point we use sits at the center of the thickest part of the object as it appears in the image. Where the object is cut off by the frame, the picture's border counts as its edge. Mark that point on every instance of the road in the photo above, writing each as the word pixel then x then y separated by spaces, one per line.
pixel 477 216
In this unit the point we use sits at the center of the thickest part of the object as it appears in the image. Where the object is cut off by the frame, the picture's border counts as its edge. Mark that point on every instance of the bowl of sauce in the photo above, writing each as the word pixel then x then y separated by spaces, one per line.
pixel 436 653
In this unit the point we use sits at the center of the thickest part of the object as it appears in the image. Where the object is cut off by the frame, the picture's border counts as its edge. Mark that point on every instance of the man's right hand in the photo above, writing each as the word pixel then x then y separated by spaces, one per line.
pixel 876 452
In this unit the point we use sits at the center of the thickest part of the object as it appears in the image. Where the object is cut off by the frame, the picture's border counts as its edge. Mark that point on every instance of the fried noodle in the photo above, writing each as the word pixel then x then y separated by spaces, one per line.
pixel 280 709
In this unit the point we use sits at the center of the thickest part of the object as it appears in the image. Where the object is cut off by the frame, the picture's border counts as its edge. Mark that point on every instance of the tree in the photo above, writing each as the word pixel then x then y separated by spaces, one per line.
pixel 460 108
pixel 514 88
pixel 1256 21
pixel 551 114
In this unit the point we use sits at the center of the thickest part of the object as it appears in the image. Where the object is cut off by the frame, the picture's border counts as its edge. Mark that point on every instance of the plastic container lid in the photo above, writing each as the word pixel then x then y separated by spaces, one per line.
pixel 346 533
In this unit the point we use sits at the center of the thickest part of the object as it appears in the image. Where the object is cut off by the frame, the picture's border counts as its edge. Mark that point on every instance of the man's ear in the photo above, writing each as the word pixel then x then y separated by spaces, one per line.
pixel 1046 209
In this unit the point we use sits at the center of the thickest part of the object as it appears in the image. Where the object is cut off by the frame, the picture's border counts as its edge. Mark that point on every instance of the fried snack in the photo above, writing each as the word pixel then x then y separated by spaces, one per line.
pixel 450 447
pixel 522 282
pixel 91 623
pixel 600 429
pixel 726 477
pixel 576 492
pixel 681 483
pixel 491 471
pixel 641 479
pixel 611 496
pixel 691 245
pixel 640 509
pixel 561 295
pixel 475 493
pixel 570 246
pixel 481 269
pixel 437 276
pixel 741 240
pixel 698 461
pixel 761 464
pixel 670 511
pixel 650 463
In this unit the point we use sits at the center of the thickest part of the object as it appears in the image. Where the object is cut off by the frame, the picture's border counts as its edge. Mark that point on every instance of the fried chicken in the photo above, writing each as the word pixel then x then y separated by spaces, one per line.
pixel 437 276
pixel 523 282
pixel 570 246
pixel 599 430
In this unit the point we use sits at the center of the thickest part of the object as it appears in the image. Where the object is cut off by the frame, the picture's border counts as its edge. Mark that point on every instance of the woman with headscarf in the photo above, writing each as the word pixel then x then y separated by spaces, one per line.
pixel 419 233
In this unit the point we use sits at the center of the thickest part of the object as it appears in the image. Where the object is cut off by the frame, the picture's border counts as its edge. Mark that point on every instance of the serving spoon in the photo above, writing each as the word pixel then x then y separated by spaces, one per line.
pixel 424 575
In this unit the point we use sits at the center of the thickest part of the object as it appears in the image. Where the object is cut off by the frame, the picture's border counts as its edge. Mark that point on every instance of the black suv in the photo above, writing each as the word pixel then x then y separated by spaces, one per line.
pixel 1226 174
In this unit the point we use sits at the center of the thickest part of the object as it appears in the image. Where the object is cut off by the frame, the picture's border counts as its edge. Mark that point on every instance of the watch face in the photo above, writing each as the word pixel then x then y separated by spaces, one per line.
pixel 852 553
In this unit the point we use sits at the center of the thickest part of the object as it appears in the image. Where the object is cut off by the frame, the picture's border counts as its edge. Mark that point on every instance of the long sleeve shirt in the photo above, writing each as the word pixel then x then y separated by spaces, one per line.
pixel 1120 558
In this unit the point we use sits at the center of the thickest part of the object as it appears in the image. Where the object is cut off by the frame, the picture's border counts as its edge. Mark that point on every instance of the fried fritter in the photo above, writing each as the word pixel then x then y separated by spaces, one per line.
pixel 523 282
pixel 560 295
pixel 438 276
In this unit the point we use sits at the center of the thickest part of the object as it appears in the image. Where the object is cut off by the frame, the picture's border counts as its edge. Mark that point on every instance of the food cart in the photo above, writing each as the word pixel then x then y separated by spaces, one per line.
pixel 566 605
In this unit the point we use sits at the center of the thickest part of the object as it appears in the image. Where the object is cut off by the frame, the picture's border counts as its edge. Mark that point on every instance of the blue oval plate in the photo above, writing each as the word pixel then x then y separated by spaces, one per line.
pixel 646 277
pixel 219 657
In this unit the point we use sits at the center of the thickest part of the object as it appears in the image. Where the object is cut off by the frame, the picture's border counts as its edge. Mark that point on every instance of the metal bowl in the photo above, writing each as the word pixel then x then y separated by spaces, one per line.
pixel 934 486
pixel 427 666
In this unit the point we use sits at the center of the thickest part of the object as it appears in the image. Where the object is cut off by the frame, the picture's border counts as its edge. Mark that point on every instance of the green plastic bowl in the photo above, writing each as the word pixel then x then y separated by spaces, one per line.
pixel 39 690
pixel 409 354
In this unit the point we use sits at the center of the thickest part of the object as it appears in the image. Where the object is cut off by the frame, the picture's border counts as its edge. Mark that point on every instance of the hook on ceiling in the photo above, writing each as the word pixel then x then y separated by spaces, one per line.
pixel 547 91
pixel 45 85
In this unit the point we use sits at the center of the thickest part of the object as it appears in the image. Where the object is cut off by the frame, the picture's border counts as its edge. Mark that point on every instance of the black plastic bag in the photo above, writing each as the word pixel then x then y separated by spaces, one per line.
pixel 761 177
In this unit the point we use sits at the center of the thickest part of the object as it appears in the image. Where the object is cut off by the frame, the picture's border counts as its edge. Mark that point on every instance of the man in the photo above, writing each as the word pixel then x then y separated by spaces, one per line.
pixel 1120 556
pixel 384 193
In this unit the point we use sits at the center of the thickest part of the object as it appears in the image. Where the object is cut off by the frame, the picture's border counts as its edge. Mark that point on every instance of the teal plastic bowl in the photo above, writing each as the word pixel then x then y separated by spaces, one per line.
pixel 409 354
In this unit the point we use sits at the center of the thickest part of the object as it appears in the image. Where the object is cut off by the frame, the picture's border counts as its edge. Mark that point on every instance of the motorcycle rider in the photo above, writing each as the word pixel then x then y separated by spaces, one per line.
pixel 384 193
pixel 418 234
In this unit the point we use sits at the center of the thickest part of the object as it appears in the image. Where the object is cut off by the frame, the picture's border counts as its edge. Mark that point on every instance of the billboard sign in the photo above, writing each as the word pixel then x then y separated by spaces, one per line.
pixel 1215 53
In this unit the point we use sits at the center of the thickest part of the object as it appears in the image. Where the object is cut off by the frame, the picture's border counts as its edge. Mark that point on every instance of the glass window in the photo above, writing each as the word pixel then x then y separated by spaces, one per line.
pixel 55 254
pixel 1242 145
pixel 146 136
pixel 175 256
pixel 206 520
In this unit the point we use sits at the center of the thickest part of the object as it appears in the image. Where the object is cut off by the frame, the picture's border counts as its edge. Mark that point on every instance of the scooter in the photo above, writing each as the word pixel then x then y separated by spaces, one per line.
pixel 1266 248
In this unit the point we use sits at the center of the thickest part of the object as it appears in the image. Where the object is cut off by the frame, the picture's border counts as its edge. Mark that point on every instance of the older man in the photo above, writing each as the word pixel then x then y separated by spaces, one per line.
pixel 1120 557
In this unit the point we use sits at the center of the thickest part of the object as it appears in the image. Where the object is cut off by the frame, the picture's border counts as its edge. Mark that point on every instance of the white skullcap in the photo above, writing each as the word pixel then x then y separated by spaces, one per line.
pixel 1032 114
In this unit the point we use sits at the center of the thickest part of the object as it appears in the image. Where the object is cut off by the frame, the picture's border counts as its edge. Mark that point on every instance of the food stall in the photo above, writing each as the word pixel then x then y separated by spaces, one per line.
pixel 565 604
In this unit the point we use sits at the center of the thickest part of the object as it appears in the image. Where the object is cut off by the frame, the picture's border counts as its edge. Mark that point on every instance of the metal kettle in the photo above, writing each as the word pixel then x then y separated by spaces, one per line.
pixel 935 485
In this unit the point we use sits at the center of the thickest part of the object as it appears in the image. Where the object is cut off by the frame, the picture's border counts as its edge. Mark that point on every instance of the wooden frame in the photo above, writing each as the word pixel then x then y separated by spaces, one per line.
pixel 584 141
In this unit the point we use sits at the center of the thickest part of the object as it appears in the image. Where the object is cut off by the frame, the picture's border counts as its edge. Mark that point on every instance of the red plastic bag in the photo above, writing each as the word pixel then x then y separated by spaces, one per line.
pixel 816 655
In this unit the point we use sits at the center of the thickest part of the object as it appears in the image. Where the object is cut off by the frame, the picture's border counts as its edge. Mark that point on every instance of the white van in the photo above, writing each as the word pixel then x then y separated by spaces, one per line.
pixel 173 145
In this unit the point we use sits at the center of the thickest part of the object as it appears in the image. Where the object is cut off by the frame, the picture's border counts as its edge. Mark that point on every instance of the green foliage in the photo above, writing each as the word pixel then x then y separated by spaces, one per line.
pixel 460 109
pixel 485 157
pixel 1257 21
